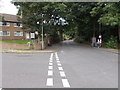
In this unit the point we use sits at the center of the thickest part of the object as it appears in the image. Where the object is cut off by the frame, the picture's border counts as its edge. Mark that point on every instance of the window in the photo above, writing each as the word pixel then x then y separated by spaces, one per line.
pixel 0 33
pixel 21 25
pixel 0 23
pixel 17 25
pixel 18 33
pixel 5 33
pixel 4 23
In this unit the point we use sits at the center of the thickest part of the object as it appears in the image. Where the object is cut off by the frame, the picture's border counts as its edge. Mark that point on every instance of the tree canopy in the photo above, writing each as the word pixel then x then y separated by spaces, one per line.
pixel 84 19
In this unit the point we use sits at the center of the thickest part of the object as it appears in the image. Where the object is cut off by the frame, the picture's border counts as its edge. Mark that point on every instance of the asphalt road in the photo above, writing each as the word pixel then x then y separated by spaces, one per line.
pixel 73 66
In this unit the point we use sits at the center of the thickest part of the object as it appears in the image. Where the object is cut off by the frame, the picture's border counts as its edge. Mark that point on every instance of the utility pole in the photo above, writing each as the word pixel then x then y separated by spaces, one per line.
pixel 42 34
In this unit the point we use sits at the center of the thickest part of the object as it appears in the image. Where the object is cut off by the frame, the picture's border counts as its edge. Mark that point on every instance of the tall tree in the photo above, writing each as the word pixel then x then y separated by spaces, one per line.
pixel 110 14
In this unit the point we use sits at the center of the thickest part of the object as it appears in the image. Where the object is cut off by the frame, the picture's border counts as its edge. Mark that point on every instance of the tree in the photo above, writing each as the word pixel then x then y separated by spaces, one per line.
pixel 32 12
pixel 83 18
pixel 110 14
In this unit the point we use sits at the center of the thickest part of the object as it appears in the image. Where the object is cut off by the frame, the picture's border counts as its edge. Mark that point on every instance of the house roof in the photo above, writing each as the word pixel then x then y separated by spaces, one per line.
pixel 9 17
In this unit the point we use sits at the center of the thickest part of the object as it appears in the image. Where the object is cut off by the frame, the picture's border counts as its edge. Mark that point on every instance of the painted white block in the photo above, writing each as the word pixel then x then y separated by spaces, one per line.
pixel 62 74
pixel 50 67
pixel 49 82
pixel 65 83
pixel 56 55
pixel 50 73
pixel 50 63
pixel 60 68
pixel 59 64
pixel 51 56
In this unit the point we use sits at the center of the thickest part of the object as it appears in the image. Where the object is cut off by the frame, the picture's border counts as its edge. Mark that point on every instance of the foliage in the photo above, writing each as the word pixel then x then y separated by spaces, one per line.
pixel 17 41
pixel 109 14
pixel 112 15
pixel 84 18
pixel 112 42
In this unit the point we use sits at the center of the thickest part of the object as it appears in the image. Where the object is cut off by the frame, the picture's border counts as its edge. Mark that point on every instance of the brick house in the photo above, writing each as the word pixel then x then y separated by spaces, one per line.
pixel 11 28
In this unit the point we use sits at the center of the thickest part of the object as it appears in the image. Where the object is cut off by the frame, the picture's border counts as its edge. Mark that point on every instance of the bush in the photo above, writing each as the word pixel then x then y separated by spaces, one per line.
pixel 54 39
pixel 112 42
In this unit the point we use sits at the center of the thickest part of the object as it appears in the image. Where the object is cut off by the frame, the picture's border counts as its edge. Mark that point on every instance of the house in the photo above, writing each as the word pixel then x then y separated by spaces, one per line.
pixel 11 28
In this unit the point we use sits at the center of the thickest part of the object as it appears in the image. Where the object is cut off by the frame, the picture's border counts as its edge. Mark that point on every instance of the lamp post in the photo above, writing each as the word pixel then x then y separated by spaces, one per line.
pixel 42 32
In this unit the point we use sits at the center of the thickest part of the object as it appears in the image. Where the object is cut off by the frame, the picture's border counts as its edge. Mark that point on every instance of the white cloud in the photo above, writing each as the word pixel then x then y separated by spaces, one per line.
pixel 7 7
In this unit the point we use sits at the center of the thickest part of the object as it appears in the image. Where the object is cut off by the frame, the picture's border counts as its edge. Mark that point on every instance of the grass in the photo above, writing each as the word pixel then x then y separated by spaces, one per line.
pixel 17 41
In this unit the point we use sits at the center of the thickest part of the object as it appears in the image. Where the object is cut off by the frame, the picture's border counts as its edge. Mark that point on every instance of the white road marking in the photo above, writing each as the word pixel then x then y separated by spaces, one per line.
pixel 49 82
pixel 50 73
pixel 51 56
pixel 56 55
pixel 65 83
pixel 50 67
pixel 62 74
pixel 50 63
pixel 60 68
pixel 59 64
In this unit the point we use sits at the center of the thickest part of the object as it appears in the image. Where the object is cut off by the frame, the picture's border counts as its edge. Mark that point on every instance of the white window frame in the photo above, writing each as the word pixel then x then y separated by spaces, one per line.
pixel 1 33
pixel 21 25
pixel 0 23
pixel 7 24
pixel 8 32
pixel 18 33
pixel 15 25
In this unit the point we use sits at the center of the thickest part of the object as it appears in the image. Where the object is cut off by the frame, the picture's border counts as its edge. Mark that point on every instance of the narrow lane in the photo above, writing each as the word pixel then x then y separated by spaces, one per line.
pixel 24 70
pixel 73 66
pixel 88 67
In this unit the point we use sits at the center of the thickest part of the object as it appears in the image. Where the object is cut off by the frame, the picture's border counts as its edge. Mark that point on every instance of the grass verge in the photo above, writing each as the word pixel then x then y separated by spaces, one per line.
pixel 17 41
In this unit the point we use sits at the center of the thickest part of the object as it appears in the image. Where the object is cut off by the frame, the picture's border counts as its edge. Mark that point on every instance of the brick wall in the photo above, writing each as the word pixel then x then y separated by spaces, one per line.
pixel 12 29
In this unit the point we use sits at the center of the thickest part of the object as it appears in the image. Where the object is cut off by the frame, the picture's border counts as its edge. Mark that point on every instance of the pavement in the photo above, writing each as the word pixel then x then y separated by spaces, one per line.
pixel 49 49
pixel 71 66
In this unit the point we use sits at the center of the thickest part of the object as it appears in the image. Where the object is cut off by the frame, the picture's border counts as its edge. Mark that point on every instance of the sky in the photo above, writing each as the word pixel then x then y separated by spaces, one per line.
pixel 7 7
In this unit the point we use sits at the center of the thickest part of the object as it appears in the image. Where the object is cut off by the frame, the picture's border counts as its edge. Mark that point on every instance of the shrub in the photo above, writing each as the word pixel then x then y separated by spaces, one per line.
pixel 112 42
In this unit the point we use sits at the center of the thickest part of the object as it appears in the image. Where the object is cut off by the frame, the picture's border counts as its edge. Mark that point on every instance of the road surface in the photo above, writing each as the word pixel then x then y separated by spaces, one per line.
pixel 73 66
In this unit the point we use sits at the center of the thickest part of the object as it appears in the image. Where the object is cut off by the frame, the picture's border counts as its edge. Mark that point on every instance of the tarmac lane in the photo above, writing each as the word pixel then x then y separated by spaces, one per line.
pixel 73 66
pixel 24 70
pixel 33 71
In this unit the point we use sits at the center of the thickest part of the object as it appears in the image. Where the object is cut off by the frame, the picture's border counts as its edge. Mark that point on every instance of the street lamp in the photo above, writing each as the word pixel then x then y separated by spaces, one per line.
pixel 42 32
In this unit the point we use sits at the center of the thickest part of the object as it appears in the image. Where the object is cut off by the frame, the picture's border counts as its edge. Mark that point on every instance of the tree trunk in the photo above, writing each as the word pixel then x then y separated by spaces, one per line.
pixel 61 35
pixel 39 37
pixel 119 32
pixel 94 30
